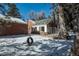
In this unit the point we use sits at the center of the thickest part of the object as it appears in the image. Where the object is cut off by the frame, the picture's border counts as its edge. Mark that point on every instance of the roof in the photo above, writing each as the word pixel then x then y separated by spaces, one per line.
pixel 11 19
pixel 43 21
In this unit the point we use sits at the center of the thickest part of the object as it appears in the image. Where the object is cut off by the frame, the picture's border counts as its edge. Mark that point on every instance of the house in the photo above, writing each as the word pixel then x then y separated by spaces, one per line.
pixel 11 26
pixel 30 23
pixel 44 26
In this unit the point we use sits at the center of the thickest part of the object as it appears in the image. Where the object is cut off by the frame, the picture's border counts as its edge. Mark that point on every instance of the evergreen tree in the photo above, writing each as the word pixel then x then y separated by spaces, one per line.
pixel 13 10
pixel 2 8
pixel 54 13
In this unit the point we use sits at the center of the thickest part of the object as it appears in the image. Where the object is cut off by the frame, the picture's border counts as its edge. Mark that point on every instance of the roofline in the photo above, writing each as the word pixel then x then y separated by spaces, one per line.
pixel 3 17
pixel 42 24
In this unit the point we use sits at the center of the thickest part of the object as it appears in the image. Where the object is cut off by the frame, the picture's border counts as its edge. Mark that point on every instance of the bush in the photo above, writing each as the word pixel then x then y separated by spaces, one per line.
pixel 35 32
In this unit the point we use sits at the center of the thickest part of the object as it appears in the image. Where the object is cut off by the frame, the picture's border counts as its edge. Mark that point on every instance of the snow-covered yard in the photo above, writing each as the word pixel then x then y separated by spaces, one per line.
pixel 42 46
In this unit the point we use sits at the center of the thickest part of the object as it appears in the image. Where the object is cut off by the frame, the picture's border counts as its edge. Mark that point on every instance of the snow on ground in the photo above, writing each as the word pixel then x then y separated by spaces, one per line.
pixel 42 46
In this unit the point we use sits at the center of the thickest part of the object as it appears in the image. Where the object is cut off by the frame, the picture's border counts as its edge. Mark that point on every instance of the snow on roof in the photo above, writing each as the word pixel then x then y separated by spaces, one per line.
pixel 11 19
pixel 1 16
pixel 43 21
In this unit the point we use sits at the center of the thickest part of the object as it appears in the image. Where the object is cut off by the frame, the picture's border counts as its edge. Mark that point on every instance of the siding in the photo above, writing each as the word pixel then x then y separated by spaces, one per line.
pixel 13 29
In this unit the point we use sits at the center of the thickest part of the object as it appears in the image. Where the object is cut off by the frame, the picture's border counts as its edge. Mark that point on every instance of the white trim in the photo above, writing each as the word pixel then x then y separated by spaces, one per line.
pixel 38 25
pixel 45 27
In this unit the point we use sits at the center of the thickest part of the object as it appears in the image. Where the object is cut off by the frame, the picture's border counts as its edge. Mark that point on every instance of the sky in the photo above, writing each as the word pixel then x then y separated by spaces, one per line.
pixel 25 8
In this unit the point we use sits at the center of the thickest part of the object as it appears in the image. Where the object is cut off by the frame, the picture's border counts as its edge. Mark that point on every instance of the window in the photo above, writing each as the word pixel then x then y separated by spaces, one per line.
pixel 42 28
pixel 34 29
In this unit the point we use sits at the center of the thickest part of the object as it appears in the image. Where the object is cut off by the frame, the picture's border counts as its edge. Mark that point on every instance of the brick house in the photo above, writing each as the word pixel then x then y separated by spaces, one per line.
pixel 12 26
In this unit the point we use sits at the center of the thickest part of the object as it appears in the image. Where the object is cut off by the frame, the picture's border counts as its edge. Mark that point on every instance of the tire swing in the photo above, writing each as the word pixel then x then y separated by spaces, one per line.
pixel 29 41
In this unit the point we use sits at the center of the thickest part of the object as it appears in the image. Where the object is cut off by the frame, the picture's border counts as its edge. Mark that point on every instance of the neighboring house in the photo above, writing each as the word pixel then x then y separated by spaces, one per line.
pixel 11 26
pixel 45 25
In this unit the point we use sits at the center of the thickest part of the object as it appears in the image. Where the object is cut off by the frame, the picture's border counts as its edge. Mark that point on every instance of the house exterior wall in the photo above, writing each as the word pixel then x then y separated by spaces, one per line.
pixel 2 30
pixel 13 28
pixel 18 29
pixel 39 26
pixel 30 23
pixel 49 30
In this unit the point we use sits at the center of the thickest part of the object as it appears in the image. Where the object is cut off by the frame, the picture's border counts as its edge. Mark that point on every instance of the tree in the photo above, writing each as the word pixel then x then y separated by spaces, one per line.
pixel 32 15
pixel 71 14
pixel 2 8
pixel 58 19
pixel 13 10
pixel 41 15
pixel 54 13
pixel 49 17
pixel 37 16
